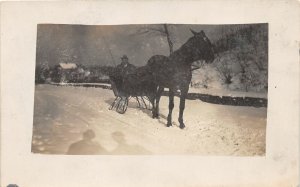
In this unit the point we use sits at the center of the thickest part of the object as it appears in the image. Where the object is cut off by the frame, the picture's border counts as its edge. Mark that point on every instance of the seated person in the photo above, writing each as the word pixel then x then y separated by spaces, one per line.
pixel 125 67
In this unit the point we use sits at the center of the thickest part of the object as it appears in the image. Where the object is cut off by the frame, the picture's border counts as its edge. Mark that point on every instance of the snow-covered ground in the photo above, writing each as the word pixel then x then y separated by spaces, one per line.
pixel 63 114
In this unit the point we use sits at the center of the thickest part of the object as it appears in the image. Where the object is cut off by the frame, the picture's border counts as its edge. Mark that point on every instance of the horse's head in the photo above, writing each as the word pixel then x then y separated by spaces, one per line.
pixel 201 47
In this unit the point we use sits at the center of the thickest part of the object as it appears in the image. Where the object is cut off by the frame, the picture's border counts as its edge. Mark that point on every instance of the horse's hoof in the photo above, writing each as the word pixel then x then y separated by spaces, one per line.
pixel 182 126
pixel 155 116
pixel 169 124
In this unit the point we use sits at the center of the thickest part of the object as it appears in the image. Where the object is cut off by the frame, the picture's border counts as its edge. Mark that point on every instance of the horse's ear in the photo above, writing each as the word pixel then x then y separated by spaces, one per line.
pixel 194 33
pixel 202 33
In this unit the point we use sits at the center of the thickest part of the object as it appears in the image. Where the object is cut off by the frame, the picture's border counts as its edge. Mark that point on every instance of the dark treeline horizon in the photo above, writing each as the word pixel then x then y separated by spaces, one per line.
pixel 103 45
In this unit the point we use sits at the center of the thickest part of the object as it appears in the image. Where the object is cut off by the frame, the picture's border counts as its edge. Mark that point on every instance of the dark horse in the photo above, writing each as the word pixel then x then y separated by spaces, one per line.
pixel 174 72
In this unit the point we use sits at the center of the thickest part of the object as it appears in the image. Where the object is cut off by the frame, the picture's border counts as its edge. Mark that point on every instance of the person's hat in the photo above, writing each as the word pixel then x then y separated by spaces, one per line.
pixel 124 57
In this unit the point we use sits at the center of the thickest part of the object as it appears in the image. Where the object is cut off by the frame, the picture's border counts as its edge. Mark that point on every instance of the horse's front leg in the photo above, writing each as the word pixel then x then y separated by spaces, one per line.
pixel 171 106
pixel 183 95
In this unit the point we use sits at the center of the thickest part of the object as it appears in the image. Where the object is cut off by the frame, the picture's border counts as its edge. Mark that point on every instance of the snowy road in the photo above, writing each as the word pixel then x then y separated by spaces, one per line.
pixel 63 114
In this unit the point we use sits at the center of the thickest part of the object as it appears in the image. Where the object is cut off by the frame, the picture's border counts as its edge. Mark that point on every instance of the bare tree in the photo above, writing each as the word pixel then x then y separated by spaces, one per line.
pixel 224 70
pixel 162 30
pixel 168 38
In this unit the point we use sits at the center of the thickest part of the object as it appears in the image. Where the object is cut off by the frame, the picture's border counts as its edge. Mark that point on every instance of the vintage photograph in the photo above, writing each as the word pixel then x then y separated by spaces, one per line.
pixel 154 89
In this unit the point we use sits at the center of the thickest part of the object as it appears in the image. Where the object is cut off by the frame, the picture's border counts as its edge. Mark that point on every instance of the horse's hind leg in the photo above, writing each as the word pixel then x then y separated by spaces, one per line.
pixel 152 101
pixel 157 99
pixel 171 106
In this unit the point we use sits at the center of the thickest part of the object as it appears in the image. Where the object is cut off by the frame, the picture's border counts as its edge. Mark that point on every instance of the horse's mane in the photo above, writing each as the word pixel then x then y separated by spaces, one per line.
pixel 182 54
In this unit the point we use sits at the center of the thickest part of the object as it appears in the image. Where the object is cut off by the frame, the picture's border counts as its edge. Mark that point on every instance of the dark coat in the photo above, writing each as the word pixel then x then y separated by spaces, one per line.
pixel 125 70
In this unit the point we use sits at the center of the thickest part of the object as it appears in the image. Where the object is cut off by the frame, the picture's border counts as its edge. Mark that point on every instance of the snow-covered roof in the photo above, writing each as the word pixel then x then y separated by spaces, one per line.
pixel 68 65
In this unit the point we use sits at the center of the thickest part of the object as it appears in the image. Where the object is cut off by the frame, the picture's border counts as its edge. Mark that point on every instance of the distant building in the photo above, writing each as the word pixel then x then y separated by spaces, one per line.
pixel 68 66
pixel 68 72
pixel 78 73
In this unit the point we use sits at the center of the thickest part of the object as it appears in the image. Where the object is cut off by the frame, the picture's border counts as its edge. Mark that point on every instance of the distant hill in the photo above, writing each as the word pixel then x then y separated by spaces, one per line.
pixel 242 61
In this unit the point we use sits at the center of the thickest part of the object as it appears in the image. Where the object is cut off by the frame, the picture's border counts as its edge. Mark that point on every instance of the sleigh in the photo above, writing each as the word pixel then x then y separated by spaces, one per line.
pixel 137 85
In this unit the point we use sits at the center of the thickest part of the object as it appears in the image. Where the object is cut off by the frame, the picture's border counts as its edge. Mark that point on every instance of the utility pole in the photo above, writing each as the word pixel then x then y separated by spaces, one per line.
pixel 109 50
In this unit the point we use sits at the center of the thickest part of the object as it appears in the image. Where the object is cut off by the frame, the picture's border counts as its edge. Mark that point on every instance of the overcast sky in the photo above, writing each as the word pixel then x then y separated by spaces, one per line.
pixel 90 45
